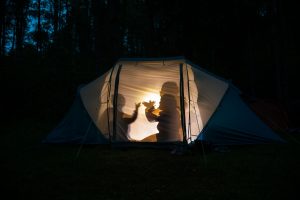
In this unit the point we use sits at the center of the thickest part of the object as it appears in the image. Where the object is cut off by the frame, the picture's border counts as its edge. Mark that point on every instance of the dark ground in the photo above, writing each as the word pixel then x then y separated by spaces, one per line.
pixel 30 170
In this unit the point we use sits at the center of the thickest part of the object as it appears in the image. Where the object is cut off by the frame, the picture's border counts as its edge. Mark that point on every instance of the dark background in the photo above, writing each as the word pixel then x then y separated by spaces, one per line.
pixel 49 47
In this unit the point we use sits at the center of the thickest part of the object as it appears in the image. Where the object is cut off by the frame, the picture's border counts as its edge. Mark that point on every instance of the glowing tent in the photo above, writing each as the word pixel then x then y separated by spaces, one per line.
pixel 160 101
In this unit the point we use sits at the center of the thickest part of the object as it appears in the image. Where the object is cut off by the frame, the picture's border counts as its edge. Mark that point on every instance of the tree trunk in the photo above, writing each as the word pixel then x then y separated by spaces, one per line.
pixel 2 22
pixel 19 27
pixel 13 43
pixel 38 42
pixel 3 37
pixel 55 17
pixel 73 20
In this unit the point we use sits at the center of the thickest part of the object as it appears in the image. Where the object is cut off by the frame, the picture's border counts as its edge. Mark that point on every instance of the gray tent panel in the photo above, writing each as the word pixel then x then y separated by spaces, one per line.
pixel 76 128
pixel 235 123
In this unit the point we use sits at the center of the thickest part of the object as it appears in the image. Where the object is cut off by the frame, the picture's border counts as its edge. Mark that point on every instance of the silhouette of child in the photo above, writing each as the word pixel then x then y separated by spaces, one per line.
pixel 122 120
pixel 167 114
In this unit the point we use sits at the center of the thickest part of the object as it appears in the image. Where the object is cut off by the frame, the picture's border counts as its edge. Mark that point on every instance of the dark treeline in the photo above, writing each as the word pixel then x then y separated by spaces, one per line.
pixel 49 47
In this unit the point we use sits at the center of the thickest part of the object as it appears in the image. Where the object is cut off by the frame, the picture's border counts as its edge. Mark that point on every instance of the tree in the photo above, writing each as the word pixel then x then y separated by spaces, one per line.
pixel 21 23
pixel 2 26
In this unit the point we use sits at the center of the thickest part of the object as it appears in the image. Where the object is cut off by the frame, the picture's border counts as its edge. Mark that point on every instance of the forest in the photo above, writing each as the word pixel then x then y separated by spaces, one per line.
pixel 49 47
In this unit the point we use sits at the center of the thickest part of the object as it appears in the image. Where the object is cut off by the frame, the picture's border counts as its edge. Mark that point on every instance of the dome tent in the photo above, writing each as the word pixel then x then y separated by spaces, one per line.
pixel 160 101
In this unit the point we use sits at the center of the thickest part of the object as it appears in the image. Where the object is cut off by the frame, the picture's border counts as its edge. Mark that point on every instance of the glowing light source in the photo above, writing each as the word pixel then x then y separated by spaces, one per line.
pixel 152 97
pixel 142 128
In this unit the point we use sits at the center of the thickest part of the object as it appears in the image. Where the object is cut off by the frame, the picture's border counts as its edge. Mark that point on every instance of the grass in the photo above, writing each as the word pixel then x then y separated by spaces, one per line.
pixel 33 171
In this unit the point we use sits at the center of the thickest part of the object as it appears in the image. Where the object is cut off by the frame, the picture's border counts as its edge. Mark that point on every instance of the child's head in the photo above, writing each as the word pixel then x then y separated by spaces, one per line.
pixel 169 88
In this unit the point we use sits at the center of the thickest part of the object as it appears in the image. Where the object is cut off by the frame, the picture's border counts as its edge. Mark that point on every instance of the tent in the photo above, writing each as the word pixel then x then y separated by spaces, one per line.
pixel 160 101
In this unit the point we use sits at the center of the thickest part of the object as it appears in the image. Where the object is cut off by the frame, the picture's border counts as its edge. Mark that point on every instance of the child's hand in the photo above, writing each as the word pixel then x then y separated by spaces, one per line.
pixel 149 104
pixel 137 105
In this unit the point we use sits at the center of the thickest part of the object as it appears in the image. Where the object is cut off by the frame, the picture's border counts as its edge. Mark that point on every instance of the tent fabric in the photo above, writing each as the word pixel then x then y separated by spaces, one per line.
pixel 77 127
pixel 95 99
pixel 206 92
pixel 145 81
pixel 160 101
pixel 235 123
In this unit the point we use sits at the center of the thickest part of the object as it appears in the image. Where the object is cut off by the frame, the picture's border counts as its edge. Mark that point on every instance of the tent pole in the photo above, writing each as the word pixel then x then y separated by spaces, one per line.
pixel 190 134
pixel 189 96
pixel 83 140
pixel 182 107
pixel 115 102
pixel 108 101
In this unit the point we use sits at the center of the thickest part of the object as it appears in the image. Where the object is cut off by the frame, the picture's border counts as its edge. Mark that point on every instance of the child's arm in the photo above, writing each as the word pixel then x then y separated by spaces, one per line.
pixel 133 117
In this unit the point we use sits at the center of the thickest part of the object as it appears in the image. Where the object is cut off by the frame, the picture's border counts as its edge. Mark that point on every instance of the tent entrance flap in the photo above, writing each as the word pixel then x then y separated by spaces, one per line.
pixel 148 104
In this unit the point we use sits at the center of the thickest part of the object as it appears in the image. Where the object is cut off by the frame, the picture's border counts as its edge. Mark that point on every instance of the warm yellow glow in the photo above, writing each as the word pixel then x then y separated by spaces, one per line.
pixel 142 128
pixel 152 97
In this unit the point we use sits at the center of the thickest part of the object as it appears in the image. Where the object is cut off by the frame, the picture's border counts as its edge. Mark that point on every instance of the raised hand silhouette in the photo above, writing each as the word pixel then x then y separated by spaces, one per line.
pixel 122 119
